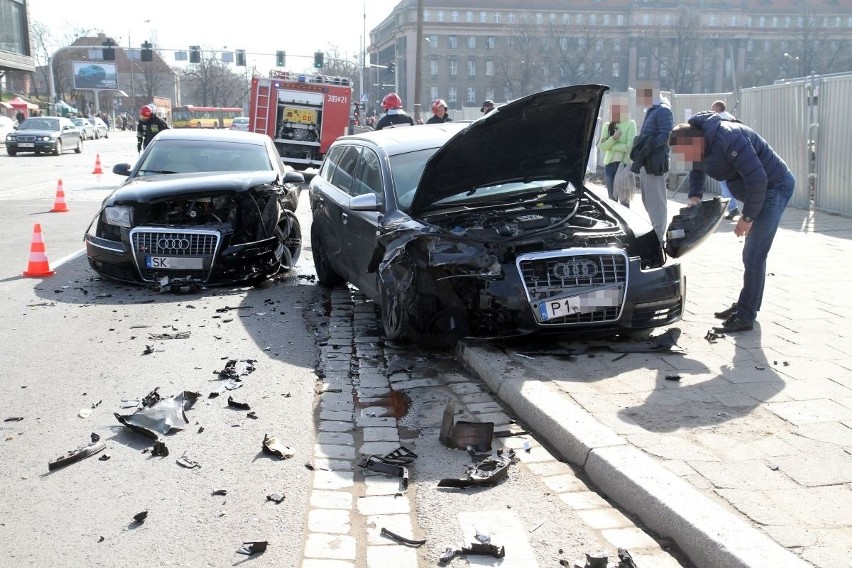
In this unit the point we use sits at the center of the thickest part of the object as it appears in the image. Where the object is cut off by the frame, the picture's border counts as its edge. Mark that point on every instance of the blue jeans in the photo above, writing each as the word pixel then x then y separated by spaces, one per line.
pixel 609 174
pixel 757 245
pixel 726 193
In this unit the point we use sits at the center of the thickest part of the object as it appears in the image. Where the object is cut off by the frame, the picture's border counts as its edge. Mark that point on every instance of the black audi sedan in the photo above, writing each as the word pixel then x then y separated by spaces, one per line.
pixel 486 229
pixel 45 135
pixel 199 208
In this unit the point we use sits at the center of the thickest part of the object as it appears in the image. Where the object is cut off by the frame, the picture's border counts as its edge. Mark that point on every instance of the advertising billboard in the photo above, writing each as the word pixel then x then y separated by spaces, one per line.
pixel 98 75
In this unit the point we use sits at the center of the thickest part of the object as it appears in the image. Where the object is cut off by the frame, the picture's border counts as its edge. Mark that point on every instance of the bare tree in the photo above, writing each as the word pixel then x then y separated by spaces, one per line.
pixel 519 64
pixel 675 48
pixel 211 82
pixel 579 55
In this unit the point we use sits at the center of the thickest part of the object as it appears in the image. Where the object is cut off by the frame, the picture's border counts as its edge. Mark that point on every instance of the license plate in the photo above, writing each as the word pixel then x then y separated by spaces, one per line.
pixel 173 263
pixel 580 304
pixel 26 145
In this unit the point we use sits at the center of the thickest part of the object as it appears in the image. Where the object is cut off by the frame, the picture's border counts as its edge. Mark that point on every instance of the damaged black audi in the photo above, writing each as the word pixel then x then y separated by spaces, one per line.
pixel 199 208
pixel 486 229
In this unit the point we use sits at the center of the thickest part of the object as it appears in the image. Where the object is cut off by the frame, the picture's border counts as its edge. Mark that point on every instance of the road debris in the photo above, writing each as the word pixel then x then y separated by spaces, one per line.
pixel 625 560
pixel 140 517
pixel 462 434
pixel 271 446
pixel 487 472
pixel 184 461
pixel 375 463
pixel 73 456
pixel 157 416
pixel 276 498
pixel 104 457
pixel 220 492
pixel 401 539
pixel 159 450
pixel 164 336
pixel 473 548
pixel 238 405
pixel 249 548
pixel 713 337
pixel 13 419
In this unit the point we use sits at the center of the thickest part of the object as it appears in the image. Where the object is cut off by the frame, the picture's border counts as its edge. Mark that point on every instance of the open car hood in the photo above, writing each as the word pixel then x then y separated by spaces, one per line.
pixel 546 135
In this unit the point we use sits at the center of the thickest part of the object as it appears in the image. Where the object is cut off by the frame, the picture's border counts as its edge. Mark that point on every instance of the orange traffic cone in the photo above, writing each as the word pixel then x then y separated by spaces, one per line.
pixel 98 169
pixel 59 205
pixel 38 266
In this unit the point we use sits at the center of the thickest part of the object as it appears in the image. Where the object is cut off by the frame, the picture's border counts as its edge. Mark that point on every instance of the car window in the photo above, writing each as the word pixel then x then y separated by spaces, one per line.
pixel 345 171
pixel 186 156
pixel 368 175
pixel 406 172
pixel 330 163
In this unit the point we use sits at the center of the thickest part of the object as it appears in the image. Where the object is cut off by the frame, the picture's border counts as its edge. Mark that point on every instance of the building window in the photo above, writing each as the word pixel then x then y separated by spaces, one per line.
pixel 489 67
pixel 432 40
pixel 551 17
pixel 619 20
pixel 599 45
pixel 774 21
pixel 510 42
pixel 471 67
pixel 566 19
pixel 616 69
pixel 453 66
pixel 734 20
pixel 452 94
pixel 455 16
pixel 490 42
pixel 563 43
pixel 433 93
pixel 440 15
pixel 788 21
pixel 483 17
pixel 507 94
pixel 606 19
pixel 593 19
pixel 838 22
pixel 496 17
pixel 642 68
pixel 750 45
pixel 512 19
pixel 12 17
pixel 471 94
pixel 646 20
pixel 453 42
pixel 425 15
pixel 433 66
pixel 580 19
pixel 539 18
pixel 712 19
pixel 468 17
pixel 489 94
pixel 471 42
pixel 762 22
pixel 616 45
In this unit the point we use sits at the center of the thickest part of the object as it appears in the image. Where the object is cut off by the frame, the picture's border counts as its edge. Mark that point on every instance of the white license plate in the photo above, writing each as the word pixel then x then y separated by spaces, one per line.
pixel 26 145
pixel 172 263
pixel 579 304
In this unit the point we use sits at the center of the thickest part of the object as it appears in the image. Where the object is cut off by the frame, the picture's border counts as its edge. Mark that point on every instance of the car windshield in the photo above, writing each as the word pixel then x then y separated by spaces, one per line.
pixel 39 124
pixel 406 170
pixel 187 156
pixel 80 122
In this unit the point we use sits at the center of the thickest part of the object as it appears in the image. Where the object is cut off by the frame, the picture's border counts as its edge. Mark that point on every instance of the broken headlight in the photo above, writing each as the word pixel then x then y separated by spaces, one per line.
pixel 120 216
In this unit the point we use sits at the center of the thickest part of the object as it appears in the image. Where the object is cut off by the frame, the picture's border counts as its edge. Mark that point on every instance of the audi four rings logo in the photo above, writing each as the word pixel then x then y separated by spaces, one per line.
pixel 575 269
pixel 173 244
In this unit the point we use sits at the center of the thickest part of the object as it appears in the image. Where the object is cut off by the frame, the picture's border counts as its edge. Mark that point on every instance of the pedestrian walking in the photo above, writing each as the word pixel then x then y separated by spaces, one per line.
pixel 757 176
pixel 616 142
pixel 651 155
pixel 394 115
pixel 149 126
pixel 439 112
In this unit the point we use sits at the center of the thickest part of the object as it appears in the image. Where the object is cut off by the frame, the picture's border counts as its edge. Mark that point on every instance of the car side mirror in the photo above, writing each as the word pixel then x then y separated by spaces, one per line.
pixel 121 169
pixel 293 177
pixel 365 202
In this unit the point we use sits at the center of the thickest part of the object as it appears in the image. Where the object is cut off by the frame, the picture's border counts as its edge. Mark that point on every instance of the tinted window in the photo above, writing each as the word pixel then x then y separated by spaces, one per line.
pixel 330 163
pixel 368 176
pixel 183 156
pixel 406 172
pixel 345 170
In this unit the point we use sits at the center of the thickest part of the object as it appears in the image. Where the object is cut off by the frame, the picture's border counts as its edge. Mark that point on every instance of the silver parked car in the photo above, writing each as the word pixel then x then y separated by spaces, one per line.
pixel 86 127
pixel 100 127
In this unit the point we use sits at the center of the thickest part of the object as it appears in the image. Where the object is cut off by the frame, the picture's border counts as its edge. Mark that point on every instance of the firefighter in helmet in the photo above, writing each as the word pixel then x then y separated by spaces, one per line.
pixel 149 126
pixel 439 112
pixel 394 115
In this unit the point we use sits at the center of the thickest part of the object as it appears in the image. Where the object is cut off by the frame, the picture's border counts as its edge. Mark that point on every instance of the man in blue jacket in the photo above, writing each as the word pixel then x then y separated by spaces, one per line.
pixel 651 154
pixel 757 176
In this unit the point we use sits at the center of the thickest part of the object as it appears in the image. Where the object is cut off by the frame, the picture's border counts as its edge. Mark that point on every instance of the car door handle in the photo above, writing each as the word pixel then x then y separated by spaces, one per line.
pixel 344 218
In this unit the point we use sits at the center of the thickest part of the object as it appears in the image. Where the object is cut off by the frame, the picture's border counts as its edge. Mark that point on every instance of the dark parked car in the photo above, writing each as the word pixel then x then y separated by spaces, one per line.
pixel 45 134
pixel 486 229
pixel 200 207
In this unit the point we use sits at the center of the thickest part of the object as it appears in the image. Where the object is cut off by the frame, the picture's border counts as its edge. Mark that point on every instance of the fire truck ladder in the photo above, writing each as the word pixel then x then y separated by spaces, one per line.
pixel 261 104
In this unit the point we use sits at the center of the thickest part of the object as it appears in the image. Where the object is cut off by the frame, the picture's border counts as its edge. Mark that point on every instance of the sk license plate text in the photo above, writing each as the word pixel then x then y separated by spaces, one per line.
pixel 172 263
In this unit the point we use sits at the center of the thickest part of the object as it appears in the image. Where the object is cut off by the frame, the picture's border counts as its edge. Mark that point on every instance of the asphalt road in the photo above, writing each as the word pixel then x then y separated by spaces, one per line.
pixel 324 383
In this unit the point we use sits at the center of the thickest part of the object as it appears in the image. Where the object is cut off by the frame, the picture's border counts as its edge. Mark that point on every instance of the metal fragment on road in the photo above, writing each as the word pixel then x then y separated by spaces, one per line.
pixel 164 336
pixel 74 456
pixel 401 539
pixel 140 517
pixel 249 548
pixel 271 446
pixel 463 434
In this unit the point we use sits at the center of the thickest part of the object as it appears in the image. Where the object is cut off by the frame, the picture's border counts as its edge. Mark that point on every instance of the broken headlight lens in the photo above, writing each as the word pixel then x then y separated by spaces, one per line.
pixel 120 216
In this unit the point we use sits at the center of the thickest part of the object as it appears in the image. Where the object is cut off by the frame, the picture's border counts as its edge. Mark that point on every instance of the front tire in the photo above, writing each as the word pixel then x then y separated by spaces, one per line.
pixel 394 317
pixel 57 150
pixel 12 151
pixel 325 273
pixel 291 238
pixel 79 147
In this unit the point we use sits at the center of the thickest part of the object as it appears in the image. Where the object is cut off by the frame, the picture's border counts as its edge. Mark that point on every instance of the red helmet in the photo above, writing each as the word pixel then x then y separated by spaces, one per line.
pixel 391 100
pixel 146 112
pixel 438 103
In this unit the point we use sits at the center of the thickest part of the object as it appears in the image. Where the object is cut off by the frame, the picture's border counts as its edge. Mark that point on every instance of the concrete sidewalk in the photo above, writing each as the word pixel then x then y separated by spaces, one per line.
pixel 741 449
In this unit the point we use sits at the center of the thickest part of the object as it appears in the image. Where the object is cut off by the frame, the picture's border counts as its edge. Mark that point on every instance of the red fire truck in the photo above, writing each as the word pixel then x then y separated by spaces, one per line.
pixel 302 113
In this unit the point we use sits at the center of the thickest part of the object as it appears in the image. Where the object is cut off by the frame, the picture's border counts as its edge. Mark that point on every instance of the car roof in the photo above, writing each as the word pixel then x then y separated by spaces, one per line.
pixel 401 140
pixel 219 134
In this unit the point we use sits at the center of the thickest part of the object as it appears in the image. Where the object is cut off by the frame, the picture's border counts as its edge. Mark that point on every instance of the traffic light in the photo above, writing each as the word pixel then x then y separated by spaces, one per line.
pixel 280 58
pixel 109 50
pixel 194 54
pixel 391 67
pixel 318 57
pixel 241 58
pixel 147 54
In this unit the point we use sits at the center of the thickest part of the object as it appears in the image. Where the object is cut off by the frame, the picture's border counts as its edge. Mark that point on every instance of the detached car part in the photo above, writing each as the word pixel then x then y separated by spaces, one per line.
pixel 271 446
pixel 473 548
pixel 375 463
pixel 401 539
pixel 692 225
pixel 462 435
pixel 487 472
pixel 158 416
pixel 74 456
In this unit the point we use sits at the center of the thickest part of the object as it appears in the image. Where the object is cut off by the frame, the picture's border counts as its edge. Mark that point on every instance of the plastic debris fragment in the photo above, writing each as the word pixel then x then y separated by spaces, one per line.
pixel 271 446
pixel 249 548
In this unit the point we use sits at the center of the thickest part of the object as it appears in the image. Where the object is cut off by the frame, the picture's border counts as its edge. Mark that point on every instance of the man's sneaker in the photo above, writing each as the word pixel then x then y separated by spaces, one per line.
pixel 732 214
pixel 734 324
pixel 725 314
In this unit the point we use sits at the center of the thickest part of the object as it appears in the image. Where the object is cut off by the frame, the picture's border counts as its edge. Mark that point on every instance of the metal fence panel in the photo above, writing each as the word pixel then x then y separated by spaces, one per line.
pixel 834 145
pixel 779 113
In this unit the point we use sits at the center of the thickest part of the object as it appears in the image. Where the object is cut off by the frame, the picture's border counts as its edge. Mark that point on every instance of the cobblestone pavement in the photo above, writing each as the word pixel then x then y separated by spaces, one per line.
pixel 371 398
pixel 757 425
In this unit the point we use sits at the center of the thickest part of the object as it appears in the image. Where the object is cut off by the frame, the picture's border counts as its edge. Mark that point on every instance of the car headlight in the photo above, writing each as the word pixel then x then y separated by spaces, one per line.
pixel 47 138
pixel 119 216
